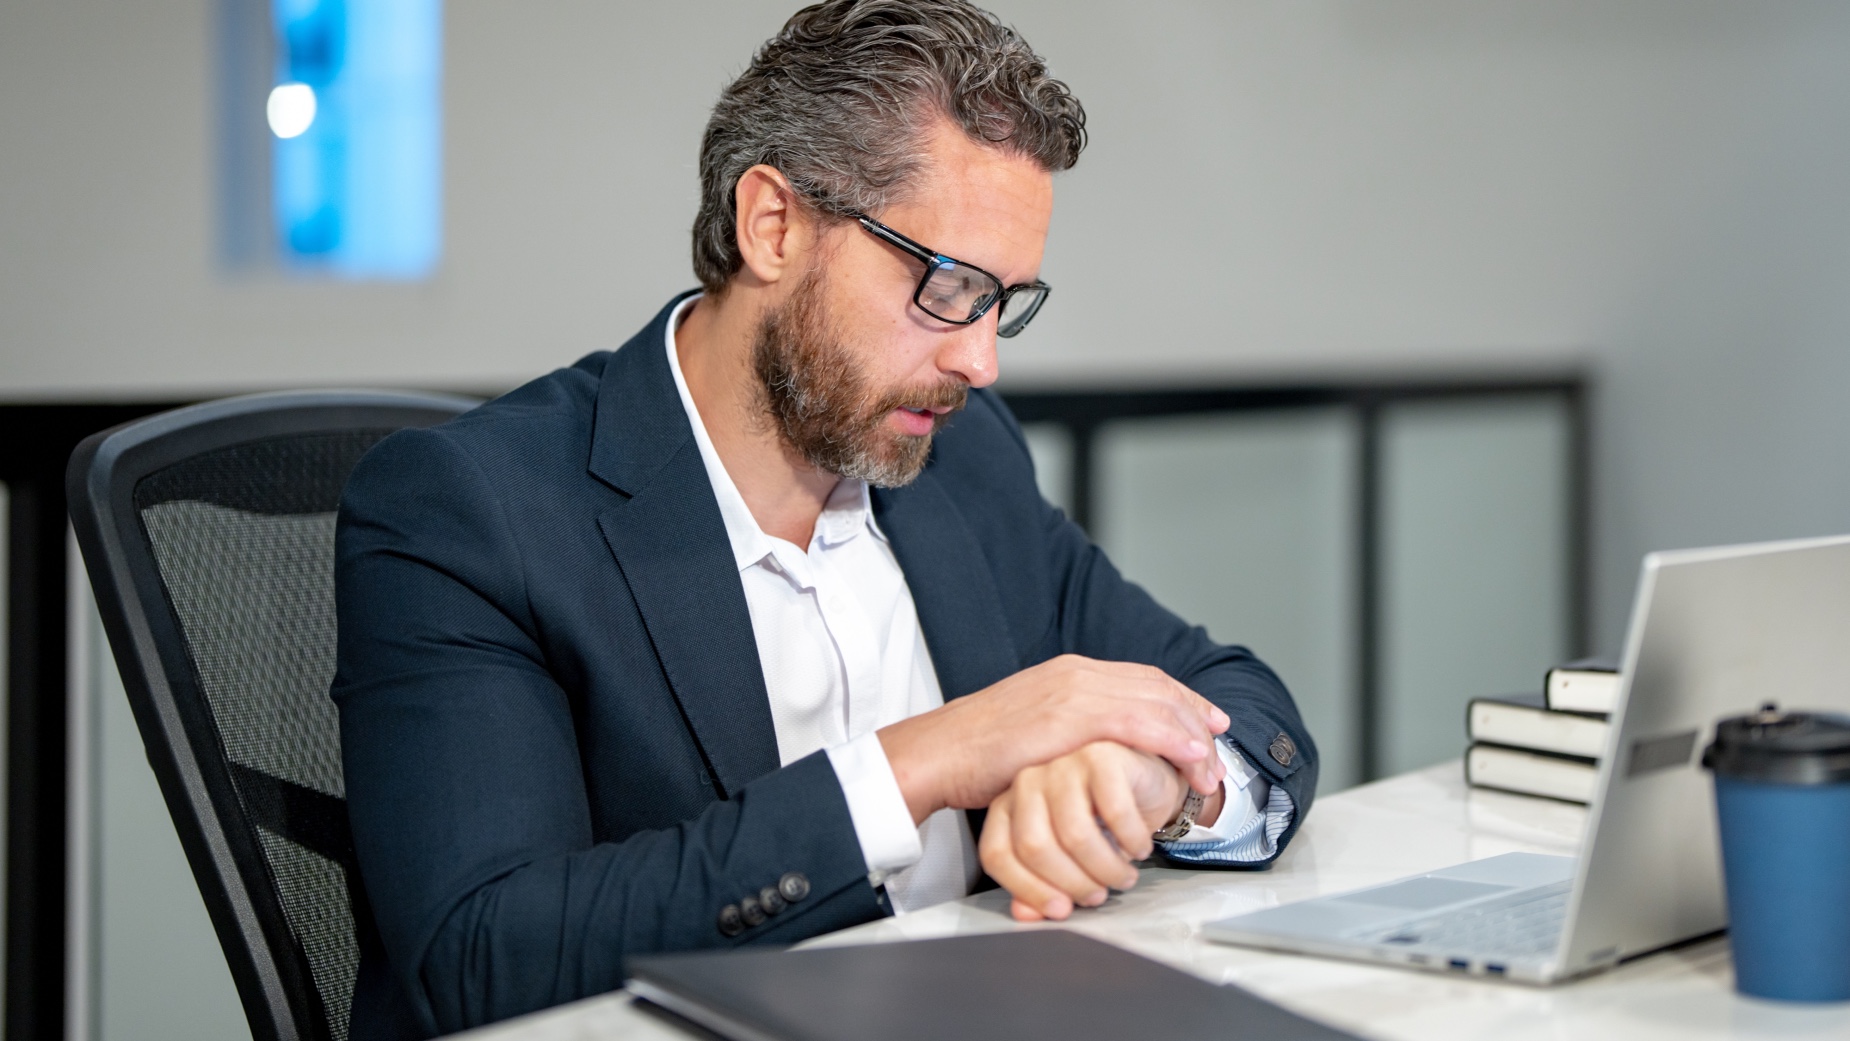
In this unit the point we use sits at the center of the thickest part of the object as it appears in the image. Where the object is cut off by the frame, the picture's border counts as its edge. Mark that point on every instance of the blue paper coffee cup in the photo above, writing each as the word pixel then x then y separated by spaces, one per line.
pixel 1782 799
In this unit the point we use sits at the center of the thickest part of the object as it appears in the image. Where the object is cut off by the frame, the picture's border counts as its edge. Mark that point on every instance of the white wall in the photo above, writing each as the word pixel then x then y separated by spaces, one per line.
pixel 571 133
pixel 1273 188
pixel 1655 188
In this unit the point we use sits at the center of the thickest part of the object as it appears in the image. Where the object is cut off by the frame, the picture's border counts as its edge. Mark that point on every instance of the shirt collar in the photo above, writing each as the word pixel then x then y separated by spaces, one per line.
pixel 847 513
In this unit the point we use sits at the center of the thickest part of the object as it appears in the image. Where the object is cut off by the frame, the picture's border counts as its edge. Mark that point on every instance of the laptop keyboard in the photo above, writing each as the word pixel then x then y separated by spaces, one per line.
pixel 1529 926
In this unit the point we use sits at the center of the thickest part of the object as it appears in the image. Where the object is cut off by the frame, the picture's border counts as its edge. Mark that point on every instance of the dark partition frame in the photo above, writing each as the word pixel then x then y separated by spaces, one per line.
pixel 36 441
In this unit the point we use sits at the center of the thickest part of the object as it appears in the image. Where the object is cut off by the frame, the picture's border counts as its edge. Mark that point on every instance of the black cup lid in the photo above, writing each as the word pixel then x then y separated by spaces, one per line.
pixel 1782 747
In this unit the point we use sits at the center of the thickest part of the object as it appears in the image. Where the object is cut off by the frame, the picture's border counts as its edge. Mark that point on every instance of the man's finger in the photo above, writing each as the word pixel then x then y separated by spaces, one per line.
pixel 1117 807
pixel 1204 773
pixel 1211 715
pixel 999 861
pixel 1204 776
pixel 1169 732
pixel 1075 822
pixel 1189 717
pixel 1160 734
pixel 1040 851
pixel 1157 683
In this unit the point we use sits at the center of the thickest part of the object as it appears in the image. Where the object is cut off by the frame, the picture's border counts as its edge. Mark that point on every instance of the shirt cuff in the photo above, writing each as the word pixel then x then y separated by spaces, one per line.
pixel 1237 808
pixel 882 822
pixel 1254 813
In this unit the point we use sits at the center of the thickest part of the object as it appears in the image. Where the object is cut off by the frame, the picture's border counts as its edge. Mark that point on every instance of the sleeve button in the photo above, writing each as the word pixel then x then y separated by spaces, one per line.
pixel 1283 749
pixel 793 886
pixel 731 923
pixel 750 911
pixel 771 900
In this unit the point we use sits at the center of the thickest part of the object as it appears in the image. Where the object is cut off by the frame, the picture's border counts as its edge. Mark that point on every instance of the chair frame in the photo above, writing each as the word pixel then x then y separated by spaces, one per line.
pixel 268 966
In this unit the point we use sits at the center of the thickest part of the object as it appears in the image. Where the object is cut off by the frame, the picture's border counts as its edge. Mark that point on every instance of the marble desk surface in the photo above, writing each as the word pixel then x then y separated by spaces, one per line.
pixel 1404 825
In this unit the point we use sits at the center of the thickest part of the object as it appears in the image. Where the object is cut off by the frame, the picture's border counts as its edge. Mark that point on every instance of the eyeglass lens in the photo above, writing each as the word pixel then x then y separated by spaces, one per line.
pixel 955 292
pixel 1019 309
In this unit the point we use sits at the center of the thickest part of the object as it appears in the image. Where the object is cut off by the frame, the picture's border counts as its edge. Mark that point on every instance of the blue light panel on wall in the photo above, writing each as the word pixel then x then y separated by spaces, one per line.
pixel 356 118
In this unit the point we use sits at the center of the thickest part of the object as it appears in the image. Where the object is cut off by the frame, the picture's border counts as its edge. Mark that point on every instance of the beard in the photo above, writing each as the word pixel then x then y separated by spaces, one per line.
pixel 819 398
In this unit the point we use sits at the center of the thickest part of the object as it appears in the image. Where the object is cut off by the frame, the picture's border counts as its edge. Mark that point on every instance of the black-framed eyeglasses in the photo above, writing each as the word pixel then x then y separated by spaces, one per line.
pixel 961 293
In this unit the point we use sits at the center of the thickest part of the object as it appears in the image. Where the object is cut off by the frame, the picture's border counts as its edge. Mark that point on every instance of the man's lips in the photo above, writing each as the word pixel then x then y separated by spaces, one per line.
pixel 918 422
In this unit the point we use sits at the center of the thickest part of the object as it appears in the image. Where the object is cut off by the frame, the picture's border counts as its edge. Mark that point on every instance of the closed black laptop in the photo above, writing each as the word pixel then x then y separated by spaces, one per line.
pixel 1040 985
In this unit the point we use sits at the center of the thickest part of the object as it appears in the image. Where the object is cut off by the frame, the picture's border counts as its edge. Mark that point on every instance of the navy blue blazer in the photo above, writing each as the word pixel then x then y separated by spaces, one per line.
pixel 557 741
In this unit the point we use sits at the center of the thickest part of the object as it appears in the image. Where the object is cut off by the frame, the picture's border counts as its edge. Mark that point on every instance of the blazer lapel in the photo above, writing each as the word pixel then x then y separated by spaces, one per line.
pixel 960 611
pixel 671 545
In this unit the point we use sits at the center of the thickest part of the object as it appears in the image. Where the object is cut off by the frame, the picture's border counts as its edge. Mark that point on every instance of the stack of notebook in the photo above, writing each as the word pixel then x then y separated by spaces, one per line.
pixel 1546 744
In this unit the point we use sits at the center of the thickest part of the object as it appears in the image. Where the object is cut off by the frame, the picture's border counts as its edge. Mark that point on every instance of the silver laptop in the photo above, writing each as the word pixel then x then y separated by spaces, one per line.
pixel 1714 632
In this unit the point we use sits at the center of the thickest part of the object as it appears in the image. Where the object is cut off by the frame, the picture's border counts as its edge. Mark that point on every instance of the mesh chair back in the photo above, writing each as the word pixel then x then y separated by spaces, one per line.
pixel 209 537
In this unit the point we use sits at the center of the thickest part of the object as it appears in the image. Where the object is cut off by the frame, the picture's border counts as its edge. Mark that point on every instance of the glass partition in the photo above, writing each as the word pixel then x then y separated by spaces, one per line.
pixel 1242 524
pixel 1474 564
pixel 1393 551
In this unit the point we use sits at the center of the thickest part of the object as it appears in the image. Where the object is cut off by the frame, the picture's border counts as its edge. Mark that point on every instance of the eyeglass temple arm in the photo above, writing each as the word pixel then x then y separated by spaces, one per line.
pixel 888 234
pixel 929 257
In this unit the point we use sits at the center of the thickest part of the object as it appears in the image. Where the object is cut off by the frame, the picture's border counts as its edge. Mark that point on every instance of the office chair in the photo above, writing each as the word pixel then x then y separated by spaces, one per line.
pixel 208 533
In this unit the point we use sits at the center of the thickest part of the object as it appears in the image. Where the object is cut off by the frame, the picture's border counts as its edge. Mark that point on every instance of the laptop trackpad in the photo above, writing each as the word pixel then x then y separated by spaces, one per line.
pixel 1420 894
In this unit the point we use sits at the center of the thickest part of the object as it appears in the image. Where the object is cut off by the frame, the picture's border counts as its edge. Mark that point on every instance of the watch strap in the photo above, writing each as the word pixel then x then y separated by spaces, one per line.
pixel 1175 829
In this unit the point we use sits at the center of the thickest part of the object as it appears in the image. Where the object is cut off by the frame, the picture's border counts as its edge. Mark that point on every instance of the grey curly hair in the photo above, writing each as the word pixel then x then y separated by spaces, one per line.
pixel 839 100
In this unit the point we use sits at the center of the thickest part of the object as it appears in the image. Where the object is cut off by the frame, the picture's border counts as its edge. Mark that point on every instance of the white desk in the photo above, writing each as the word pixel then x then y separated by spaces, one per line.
pixel 1401 826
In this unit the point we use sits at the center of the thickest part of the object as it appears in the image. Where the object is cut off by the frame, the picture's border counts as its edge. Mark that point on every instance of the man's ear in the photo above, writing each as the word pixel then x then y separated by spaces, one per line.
pixel 774 233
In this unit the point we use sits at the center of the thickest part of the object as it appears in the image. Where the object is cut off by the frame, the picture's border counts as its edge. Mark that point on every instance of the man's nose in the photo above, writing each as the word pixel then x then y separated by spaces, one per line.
pixel 969 353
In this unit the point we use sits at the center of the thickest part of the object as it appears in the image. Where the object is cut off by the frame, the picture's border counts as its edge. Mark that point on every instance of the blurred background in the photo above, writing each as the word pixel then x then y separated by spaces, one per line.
pixel 1385 338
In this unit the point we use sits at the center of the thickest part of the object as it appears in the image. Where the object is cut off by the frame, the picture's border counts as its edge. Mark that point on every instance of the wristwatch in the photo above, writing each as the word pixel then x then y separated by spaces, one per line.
pixel 1185 820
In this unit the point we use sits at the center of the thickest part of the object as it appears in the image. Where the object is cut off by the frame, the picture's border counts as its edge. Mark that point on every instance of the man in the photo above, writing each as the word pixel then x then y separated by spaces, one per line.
pixel 713 639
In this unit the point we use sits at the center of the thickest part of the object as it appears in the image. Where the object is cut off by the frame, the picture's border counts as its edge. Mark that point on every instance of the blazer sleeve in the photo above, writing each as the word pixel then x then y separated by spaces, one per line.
pixel 465 788
pixel 1102 615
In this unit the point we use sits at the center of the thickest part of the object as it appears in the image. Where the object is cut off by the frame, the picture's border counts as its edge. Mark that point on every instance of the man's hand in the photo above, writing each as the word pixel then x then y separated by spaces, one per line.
pixel 1067 832
pixel 965 754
